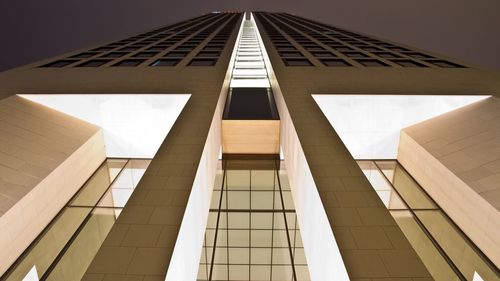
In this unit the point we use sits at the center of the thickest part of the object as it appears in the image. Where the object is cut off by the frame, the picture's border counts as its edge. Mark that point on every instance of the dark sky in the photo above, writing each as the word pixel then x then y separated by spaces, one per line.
pixel 468 30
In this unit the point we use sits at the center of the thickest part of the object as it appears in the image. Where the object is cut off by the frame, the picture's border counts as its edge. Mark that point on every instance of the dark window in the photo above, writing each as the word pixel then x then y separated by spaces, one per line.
pixel 102 49
pixel 342 49
pixel 166 62
pixel 370 49
pixel 281 49
pixel 156 49
pixel 355 55
pixel 322 54
pixel 408 63
pixel 212 48
pixel 317 48
pixel 128 49
pixel 175 54
pixel 208 54
pixel 184 48
pixel 145 54
pixel 114 55
pixel 290 54
pixel 84 55
pixel 386 55
pixel 418 55
pixel 444 64
pixel 130 62
pixel 59 63
pixel 371 63
pixel 397 49
pixel 94 63
pixel 297 62
pixel 203 62
pixel 335 62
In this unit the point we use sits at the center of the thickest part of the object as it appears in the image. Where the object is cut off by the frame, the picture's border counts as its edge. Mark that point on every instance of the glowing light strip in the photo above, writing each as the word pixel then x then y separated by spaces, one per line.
pixel 249 68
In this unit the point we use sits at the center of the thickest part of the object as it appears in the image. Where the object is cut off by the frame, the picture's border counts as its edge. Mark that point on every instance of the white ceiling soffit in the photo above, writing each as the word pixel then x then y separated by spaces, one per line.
pixel 134 125
pixel 369 125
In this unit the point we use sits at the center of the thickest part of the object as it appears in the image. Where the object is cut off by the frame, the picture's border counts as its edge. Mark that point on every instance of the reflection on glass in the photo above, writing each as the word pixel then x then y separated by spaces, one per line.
pixel 93 189
pixel 430 256
pixel 444 250
pixel 82 250
pixel 67 246
pixel 252 240
pixel 468 261
pixel 50 244
pixel 124 185
pixel 406 186
pixel 384 189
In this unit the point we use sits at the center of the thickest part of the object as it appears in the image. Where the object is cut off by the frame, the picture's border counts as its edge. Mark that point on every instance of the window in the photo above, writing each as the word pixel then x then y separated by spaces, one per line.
pixel 322 54
pixel 335 62
pixel 203 62
pixel 354 55
pixel 386 55
pixel 94 63
pixel 371 63
pixel 59 63
pixel 297 62
pixel 114 55
pixel 145 54
pixel 208 54
pixel 166 62
pixel 291 54
pixel 131 62
pixel 444 64
pixel 408 63
pixel 84 55
pixel 177 54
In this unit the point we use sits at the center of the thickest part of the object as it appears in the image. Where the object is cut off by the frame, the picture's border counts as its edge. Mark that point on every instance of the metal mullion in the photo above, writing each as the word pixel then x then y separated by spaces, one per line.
pixel 218 220
pixel 286 223
pixel 82 225
pixel 424 229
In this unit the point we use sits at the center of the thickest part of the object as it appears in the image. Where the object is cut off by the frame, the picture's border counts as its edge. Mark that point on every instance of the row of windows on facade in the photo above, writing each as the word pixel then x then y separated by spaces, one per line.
pixel 139 49
pixel 336 47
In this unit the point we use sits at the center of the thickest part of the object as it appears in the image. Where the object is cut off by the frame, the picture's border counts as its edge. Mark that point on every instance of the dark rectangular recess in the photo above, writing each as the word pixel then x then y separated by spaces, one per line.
pixel 444 64
pixel 408 63
pixel 129 62
pixel 84 55
pixel 203 62
pixel 59 63
pixel 297 62
pixel 250 104
pixel 166 62
pixel 94 63
pixel 371 62
pixel 335 62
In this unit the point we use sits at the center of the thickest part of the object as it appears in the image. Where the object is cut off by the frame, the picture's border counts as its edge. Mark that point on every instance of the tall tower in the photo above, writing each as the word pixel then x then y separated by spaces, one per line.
pixel 249 146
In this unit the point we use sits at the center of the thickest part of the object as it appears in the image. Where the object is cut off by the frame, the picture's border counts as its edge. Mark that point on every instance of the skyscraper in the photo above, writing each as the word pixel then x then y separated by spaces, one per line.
pixel 250 146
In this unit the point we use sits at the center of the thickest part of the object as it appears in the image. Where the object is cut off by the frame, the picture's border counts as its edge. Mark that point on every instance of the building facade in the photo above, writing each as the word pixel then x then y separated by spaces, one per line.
pixel 250 146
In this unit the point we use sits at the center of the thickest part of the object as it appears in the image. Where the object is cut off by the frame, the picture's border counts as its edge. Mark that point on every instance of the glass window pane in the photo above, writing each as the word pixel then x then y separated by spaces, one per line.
pixel 93 189
pixel 430 256
pixel 50 243
pixel 455 245
pixel 82 250
pixel 406 186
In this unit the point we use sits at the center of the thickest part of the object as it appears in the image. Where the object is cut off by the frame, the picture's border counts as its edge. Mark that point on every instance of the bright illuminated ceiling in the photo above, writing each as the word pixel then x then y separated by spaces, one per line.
pixel 134 125
pixel 369 125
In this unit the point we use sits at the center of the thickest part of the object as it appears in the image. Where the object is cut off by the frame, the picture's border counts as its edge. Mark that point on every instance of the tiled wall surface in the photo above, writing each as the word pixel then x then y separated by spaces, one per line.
pixel 456 158
pixel 45 157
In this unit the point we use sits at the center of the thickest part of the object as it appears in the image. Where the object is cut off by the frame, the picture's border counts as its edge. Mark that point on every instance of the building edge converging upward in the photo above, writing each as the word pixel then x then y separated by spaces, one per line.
pixel 249 146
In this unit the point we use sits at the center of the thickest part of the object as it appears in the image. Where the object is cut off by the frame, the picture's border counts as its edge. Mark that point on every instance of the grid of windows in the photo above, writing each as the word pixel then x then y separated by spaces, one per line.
pixel 162 46
pixel 347 48
pixel 253 228
pixel 446 252
pixel 66 247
